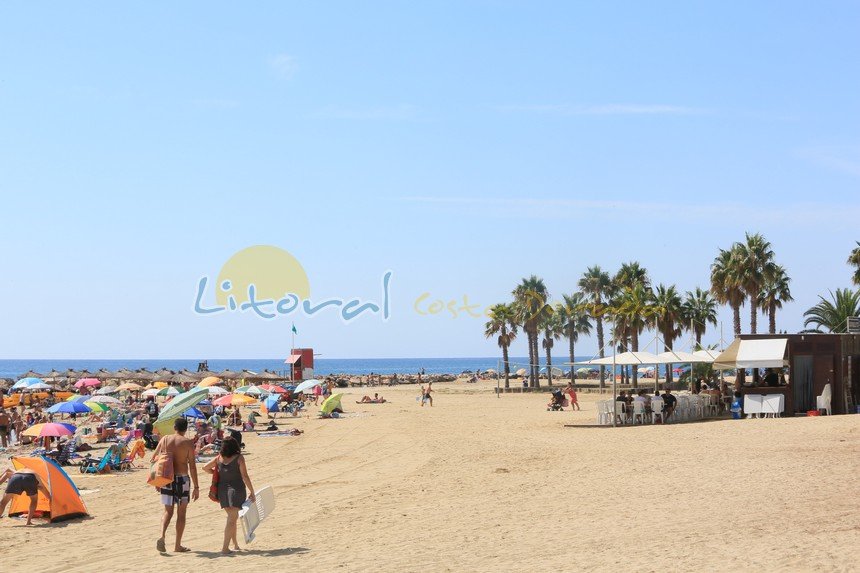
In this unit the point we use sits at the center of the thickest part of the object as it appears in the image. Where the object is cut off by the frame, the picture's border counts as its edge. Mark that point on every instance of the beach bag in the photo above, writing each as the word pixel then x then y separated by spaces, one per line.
pixel 213 489
pixel 161 471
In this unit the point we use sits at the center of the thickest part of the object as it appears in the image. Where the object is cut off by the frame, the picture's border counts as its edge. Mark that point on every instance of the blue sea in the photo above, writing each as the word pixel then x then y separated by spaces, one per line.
pixel 322 367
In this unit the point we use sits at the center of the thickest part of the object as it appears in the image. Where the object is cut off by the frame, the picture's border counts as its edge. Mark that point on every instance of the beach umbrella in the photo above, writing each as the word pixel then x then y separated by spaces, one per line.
pixel 194 413
pixel 69 408
pixel 107 390
pixel 87 383
pixel 273 389
pixel 583 371
pixel 31 374
pixel 38 387
pixel 183 378
pixel 24 382
pixel 160 384
pixel 307 385
pixel 144 374
pixel 234 400
pixel 217 391
pixel 169 391
pixel 271 404
pixel 78 398
pixel 129 387
pixel 210 381
pixel 97 406
pixel 49 430
pixel 164 373
pixel 229 374
pixel 103 399
pixel 251 390
pixel 53 375
pixel 149 393
pixel 331 403
pixel 182 402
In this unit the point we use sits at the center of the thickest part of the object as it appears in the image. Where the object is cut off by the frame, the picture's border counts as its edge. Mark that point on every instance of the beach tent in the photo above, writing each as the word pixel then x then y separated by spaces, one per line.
pixel 330 404
pixel 761 353
pixel 65 502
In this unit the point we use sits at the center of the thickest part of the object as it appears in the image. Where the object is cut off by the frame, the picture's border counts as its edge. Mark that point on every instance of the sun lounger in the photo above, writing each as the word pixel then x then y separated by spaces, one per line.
pixel 252 513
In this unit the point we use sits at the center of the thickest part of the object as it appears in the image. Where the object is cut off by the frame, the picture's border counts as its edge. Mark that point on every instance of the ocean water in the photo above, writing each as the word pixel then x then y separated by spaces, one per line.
pixel 323 366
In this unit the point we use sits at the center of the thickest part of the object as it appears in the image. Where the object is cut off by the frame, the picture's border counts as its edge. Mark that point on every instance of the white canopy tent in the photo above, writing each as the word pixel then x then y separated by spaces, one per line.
pixel 760 353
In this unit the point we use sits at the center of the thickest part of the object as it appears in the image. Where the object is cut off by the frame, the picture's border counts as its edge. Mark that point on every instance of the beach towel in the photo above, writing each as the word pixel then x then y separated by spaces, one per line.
pixel 161 471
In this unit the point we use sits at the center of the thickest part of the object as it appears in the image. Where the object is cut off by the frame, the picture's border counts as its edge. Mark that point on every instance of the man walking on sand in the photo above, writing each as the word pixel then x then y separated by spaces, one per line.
pixel 179 492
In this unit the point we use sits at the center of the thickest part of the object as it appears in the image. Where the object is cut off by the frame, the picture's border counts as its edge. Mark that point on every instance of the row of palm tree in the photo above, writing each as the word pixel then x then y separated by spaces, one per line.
pixel 747 272
pixel 626 300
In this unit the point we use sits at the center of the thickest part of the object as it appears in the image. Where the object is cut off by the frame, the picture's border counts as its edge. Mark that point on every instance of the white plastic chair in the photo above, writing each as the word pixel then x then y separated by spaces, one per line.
pixel 603 413
pixel 823 402
pixel 657 410
pixel 639 412
pixel 619 411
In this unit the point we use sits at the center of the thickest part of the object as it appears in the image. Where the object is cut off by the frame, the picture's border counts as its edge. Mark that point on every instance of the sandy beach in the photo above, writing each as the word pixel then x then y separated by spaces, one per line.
pixel 479 483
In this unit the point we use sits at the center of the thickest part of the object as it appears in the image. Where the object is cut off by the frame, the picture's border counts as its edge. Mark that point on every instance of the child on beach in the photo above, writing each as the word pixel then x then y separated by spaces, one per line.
pixel 571 392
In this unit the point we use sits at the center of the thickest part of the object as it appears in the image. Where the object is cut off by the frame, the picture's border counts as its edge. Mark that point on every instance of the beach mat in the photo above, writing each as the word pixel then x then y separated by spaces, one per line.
pixel 253 513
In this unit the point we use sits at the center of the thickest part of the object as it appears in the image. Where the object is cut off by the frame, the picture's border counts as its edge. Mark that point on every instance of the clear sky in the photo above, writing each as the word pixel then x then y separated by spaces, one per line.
pixel 460 145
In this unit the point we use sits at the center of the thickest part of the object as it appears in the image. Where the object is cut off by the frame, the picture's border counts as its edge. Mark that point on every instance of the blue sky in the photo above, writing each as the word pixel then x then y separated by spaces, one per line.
pixel 461 145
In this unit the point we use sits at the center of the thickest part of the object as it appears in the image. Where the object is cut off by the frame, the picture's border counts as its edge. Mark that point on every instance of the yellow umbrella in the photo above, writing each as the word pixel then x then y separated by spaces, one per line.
pixel 131 386
pixel 159 384
pixel 234 400
pixel 331 403
pixel 97 406
pixel 210 381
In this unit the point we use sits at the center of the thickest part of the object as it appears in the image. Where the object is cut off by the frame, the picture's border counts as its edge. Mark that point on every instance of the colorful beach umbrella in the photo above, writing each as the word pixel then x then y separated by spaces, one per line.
pixel 210 381
pixel 175 408
pixel 234 400
pixel 271 403
pixel 24 382
pixel 129 387
pixel 194 413
pixel 159 384
pixel 50 430
pixel 251 390
pixel 151 392
pixel 169 391
pixel 273 388
pixel 78 398
pixel 216 391
pixel 97 406
pixel 87 383
pixel 107 390
pixel 38 387
pixel 331 403
pixel 69 408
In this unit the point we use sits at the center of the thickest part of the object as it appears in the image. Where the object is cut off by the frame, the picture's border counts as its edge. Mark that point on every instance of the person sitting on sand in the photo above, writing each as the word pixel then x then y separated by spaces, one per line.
pixel 23 481
pixel 272 427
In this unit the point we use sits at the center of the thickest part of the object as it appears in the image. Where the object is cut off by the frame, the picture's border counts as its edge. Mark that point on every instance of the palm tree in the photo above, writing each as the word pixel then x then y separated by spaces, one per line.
pixel 633 308
pixel 726 285
pixel 699 310
pixel 667 317
pixel 854 261
pixel 628 277
pixel 503 323
pixel 552 330
pixel 530 298
pixel 756 267
pixel 597 288
pixel 574 322
pixel 833 314
pixel 774 293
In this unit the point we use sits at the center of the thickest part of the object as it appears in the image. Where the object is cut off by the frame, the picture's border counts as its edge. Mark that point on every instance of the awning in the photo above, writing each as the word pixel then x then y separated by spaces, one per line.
pixel 761 353
pixel 624 359
pixel 293 359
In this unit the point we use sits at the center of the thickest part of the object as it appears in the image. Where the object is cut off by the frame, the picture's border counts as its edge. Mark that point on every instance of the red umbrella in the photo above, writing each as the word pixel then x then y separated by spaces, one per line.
pixel 273 388
pixel 51 430
pixel 87 383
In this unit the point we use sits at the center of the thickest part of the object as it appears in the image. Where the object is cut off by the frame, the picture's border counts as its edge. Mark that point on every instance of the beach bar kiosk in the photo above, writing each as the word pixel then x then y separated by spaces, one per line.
pixel 301 361
pixel 801 367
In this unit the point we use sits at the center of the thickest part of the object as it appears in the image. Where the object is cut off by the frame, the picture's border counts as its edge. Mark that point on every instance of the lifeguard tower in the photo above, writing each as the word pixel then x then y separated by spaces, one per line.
pixel 301 361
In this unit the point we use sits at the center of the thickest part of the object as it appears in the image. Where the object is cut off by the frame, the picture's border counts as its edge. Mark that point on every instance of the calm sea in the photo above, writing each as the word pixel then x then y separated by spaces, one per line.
pixel 322 366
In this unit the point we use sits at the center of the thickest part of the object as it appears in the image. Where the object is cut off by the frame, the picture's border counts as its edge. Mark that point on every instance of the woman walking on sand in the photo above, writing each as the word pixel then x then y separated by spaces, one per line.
pixel 232 481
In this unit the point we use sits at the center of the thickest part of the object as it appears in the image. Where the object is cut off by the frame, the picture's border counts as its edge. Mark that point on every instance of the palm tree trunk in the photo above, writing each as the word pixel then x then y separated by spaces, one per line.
pixel 572 365
pixel 668 342
pixel 753 315
pixel 600 352
pixel 531 360
pixel 549 364
pixel 772 316
pixel 634 343
pixel 736 311
pixel 536 368
pixel 507 367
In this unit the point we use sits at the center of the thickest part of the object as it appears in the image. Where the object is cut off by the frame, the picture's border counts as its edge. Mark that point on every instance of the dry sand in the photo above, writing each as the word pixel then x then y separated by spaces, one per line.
pixel 479 483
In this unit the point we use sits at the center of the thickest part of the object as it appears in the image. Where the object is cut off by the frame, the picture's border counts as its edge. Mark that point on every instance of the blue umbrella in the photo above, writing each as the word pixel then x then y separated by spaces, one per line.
pixel 194 413
pixel 24 382
pixel 271 403
pixel 69 408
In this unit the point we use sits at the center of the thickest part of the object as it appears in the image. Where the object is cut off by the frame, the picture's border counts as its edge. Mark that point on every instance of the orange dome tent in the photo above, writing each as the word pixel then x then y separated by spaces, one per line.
pixel 65 502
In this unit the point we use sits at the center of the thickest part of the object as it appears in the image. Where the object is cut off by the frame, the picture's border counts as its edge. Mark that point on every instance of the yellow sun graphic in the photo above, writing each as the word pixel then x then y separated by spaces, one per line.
pixel 273 271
